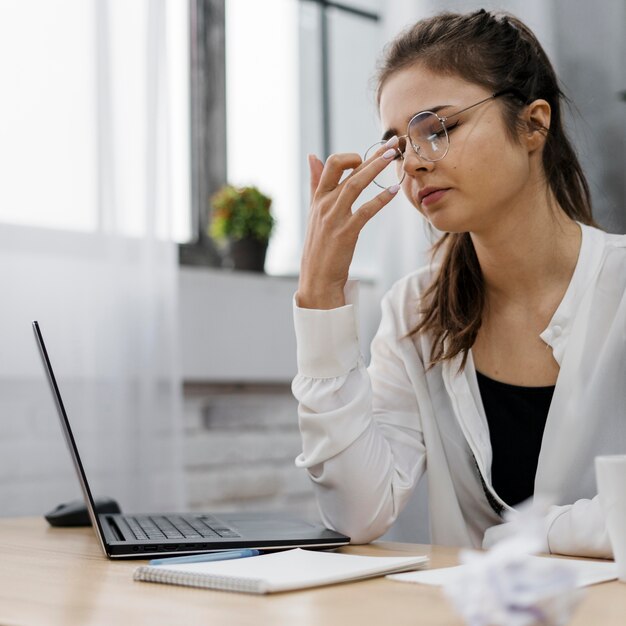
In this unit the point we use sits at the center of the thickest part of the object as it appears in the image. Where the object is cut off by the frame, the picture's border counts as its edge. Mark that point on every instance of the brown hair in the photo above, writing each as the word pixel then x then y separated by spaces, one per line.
pixel 498 52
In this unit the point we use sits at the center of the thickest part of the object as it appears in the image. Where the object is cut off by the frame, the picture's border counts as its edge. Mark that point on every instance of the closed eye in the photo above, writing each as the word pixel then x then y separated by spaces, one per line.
pixel 440 132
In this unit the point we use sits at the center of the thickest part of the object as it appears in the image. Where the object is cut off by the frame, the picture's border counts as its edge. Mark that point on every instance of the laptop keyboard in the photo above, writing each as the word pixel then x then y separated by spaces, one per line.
pixel 179 527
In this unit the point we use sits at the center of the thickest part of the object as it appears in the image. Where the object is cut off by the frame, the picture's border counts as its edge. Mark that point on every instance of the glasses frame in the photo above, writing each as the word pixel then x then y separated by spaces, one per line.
pixel 442 121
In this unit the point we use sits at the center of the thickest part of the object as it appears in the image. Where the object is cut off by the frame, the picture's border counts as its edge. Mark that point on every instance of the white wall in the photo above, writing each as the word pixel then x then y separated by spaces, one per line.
pixel 237 326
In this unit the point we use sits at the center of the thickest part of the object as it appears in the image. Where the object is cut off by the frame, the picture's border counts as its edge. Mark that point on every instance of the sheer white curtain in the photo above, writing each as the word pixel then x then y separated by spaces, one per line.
pixel 87 252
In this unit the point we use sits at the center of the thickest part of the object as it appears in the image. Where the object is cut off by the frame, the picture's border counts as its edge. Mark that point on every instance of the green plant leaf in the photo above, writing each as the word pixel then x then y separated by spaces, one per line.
pixel 240 212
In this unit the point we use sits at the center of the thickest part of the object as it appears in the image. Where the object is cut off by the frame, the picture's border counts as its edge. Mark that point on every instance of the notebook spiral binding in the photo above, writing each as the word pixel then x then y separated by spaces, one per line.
pixel 220 583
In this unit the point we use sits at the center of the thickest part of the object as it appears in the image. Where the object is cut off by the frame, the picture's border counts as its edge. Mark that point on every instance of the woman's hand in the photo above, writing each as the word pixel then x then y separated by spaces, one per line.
pixel 334 228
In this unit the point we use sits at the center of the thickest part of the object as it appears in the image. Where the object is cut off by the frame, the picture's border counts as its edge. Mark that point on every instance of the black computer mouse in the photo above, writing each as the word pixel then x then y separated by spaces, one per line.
pixel 75 513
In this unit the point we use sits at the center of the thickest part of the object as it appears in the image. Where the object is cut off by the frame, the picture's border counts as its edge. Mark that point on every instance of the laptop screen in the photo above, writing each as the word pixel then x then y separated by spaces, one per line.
pixel 68 432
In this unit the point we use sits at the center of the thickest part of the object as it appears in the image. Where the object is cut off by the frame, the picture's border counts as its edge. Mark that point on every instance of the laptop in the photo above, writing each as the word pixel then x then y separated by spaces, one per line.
pixel 124 536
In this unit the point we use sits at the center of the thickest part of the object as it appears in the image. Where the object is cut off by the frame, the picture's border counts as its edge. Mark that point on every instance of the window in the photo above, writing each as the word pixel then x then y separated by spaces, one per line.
pixel 252 87
pixel 76 88
pixel 339 47
pixel 296 82
pixel 48 115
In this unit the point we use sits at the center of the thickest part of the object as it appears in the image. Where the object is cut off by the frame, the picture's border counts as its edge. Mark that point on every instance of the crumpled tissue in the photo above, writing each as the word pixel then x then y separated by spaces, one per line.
pixel 505 587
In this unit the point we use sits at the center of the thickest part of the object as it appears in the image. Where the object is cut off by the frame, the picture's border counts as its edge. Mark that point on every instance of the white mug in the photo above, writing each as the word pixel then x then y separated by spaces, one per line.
pixel 611 481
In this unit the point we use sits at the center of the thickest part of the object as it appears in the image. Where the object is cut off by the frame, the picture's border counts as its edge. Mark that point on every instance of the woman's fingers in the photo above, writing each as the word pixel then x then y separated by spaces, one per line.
pixel 361 178
pixel 333 229
pixel 364 171
pixel 315 167
pixel 366 212
pixel 335 166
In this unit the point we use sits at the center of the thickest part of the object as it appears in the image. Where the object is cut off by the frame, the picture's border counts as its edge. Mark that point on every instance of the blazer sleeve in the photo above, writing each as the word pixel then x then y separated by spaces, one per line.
pixel 577 529
pixel 362 441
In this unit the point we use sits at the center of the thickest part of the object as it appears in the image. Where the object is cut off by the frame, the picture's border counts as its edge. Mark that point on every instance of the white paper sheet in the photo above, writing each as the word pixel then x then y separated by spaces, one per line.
pixel 587 572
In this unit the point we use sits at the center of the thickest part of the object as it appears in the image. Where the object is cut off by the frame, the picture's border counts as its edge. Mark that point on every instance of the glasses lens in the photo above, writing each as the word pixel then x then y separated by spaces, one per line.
pixel 394 172
pixel 429 136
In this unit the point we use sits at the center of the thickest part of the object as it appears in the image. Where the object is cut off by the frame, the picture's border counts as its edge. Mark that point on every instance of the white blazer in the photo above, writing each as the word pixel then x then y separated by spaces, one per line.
pixel 368 434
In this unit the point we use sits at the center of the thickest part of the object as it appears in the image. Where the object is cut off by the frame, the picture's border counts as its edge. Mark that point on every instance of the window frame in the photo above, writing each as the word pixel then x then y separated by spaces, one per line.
pixel 325 61
pixel 208 112
pixel 207 84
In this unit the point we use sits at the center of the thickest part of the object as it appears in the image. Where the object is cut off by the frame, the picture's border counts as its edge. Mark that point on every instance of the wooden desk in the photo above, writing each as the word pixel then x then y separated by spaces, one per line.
pixel 52 577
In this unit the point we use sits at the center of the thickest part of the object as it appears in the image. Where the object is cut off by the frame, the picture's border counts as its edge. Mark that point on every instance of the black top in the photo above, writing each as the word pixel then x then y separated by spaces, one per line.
pixel 516 417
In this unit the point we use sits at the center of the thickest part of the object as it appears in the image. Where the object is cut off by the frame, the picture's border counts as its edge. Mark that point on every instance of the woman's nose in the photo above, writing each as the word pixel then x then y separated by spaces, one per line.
pixel 413 162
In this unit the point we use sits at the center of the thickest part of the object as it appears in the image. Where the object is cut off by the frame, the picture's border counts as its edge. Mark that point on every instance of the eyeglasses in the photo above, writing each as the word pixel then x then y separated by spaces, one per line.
pixel 427 133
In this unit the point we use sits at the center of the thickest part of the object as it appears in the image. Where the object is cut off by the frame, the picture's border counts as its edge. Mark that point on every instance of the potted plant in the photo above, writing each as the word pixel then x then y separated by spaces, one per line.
pixel 241 224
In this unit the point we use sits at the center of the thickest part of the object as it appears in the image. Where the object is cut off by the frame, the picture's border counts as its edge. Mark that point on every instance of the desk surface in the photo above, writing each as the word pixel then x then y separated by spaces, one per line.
pixel 59 576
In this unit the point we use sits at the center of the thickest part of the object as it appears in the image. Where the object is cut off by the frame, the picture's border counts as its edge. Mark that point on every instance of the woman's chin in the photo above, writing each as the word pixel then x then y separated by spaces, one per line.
pixel 446 223
pixel 445 218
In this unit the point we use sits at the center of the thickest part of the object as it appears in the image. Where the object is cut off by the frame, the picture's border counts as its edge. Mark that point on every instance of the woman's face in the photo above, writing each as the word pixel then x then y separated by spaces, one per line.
pixel 485 174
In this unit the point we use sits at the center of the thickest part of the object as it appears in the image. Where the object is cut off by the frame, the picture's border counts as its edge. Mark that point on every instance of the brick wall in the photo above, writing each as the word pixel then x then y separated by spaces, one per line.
pixel 239 450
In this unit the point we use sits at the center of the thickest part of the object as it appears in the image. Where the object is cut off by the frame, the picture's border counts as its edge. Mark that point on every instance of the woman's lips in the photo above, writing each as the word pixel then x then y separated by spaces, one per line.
pixel 434 196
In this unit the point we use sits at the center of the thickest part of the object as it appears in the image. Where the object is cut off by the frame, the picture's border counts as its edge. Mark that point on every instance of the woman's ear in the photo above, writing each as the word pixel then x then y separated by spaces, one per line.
pixel 537 122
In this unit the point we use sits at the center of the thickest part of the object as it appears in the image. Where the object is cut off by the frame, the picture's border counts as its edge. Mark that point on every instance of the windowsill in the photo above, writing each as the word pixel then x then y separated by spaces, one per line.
pixel 203 256
pixel 236 274
pixel 198 254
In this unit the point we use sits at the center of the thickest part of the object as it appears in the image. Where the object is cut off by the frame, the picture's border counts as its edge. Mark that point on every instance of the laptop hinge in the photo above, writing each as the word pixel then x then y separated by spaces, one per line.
pixel 119 535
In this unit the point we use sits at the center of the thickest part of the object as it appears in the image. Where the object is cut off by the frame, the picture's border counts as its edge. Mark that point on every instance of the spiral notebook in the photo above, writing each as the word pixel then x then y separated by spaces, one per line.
pixel 278 571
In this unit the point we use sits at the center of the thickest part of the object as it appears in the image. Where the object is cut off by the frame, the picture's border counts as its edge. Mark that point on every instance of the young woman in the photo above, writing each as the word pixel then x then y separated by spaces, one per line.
pixel 501 367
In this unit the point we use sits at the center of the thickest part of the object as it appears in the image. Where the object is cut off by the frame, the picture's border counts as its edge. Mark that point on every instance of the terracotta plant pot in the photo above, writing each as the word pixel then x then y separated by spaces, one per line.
pixel 248 254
